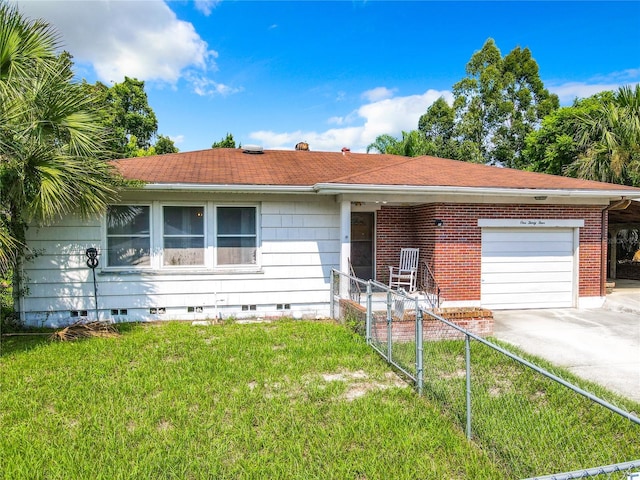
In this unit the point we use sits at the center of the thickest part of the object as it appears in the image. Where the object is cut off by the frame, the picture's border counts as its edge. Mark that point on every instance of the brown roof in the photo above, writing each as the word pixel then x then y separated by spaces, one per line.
pixel 226 166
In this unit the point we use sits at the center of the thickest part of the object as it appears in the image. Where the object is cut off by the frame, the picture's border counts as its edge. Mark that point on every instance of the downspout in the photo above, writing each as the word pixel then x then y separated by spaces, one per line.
pixel 621 204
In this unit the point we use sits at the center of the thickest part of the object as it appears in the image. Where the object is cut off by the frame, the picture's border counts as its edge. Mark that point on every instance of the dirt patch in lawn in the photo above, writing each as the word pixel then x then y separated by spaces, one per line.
pixel 359 383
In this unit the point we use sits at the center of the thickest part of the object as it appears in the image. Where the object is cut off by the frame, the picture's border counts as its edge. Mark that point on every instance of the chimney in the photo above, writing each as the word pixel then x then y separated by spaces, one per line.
pixel 345 150
pixel 302 146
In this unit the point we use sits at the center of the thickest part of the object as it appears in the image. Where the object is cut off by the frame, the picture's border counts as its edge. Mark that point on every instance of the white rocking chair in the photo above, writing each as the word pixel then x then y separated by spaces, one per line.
pixel 405 275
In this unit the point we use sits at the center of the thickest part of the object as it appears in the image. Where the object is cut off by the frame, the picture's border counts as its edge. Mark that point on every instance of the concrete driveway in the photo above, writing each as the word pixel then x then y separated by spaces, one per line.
pixel 601 345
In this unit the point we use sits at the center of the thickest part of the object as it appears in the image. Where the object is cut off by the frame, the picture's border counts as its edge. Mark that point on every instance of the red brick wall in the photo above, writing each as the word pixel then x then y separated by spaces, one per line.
pixel 454 249
pixel 395 229
pixel 477 321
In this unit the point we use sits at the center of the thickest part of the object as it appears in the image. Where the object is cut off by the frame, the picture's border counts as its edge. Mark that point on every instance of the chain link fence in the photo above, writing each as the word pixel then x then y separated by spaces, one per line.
pixel 385 317
pixel 527 418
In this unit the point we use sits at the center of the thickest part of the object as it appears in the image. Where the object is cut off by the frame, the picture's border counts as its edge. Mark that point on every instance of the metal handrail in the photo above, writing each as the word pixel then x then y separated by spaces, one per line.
pixel 428 283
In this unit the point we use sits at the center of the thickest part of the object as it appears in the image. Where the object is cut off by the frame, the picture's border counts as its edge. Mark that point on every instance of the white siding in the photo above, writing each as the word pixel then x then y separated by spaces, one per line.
pixel 527 268
pixel 299 244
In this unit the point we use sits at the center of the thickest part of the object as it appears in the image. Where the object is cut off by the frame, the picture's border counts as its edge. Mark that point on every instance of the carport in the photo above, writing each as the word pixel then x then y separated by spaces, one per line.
pixel 624 216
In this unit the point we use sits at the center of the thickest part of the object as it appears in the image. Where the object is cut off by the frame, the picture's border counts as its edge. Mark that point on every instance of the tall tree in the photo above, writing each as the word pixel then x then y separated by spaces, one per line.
pixel 51 143
pixel 439 121
pixel 499 102
pixel 132 115
pixel 133 126
pixel 438 125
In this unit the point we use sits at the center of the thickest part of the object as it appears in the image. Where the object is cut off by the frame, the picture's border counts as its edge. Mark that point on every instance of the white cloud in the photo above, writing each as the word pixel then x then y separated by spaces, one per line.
pixel 378 93
pixel 204 86
pixel 206 6
pixel 390 115
pixel 141 39
pixel 344 120
pixel 624 76
pixel 177 139
pixel 329 140
pixel 567 92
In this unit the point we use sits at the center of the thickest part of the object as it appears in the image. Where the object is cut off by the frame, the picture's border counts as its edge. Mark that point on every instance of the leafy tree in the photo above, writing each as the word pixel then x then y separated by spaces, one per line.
pixel 553 147
pixel 439 121
pixel 609 137
pixel 226 142
pixel 52 158
pixel 596 138
pixel 124 110
pixel 164 145
pixel 500 102
pixel 438 126
pixel 131 113
pixel 413 144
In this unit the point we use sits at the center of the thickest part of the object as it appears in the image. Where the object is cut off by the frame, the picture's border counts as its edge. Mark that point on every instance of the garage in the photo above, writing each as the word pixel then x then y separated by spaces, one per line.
pixel 528 266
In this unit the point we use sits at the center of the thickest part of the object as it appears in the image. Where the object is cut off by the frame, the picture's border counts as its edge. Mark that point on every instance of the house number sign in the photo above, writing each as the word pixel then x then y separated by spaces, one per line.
pixel 530 222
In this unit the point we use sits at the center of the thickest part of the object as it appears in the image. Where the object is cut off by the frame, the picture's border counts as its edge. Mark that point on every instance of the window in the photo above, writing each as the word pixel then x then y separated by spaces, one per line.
pixel 163 236
pixel 236 236
pixel 128 236
pixel 183 236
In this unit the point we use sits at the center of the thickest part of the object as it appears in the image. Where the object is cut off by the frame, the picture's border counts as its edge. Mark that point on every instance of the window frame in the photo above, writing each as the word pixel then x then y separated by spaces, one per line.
pixel 210 229
pixel 237 266
pixel 107 236
pixel 161 236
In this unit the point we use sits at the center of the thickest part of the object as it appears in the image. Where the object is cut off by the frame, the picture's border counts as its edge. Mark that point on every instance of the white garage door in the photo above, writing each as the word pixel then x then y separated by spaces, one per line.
pixel 527 268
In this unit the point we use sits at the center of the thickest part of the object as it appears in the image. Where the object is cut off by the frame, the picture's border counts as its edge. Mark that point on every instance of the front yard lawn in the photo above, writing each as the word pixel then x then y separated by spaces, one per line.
pixel 291 399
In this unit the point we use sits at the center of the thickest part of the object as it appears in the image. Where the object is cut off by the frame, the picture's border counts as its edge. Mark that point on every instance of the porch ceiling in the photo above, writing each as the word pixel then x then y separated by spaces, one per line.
pixel 627 218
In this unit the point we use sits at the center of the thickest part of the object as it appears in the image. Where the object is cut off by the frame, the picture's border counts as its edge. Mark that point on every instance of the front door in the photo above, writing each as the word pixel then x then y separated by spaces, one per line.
pixel 362 244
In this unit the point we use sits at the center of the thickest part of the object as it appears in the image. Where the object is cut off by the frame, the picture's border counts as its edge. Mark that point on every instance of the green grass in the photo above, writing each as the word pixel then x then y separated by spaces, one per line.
pixel 530 424
pixel 290 399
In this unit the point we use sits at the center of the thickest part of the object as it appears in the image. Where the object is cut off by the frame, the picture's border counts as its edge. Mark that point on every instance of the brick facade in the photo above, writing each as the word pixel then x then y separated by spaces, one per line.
pixel 454 249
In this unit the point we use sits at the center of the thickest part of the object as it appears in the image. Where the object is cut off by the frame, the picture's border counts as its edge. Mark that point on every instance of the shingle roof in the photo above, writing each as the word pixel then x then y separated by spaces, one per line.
pixel 226 166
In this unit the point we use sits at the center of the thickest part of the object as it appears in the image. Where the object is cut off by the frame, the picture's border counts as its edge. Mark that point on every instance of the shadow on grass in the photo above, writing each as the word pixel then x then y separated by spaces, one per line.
pixel 19 342
pixel 29 338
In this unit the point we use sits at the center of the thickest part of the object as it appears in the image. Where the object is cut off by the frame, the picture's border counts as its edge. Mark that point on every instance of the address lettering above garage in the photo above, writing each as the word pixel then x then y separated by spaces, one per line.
pixel 530 223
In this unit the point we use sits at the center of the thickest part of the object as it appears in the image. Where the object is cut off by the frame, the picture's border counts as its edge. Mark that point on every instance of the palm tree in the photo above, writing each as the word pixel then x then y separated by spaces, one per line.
pixel 383 144
pixel 412 144
pixel 610 140
pixel 52 150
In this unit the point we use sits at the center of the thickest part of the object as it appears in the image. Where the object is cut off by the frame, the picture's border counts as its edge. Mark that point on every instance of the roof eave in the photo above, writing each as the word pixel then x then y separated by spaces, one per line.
pixel 336 189
pixel 228 188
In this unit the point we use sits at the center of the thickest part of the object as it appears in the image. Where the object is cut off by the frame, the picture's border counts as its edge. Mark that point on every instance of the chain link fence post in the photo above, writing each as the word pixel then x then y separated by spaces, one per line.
pixel 389 325
pixel 369 314
pixel 419 341
pixel 467 356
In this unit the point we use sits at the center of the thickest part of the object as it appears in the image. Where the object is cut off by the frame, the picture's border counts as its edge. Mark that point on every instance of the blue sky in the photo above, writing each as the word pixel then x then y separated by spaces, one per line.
pixel 332 73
